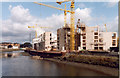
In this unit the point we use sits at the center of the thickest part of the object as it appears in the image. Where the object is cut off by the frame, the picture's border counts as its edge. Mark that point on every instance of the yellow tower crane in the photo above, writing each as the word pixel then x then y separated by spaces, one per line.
pixel 105 27
pixel 72 40
pixel 72 33
pixel 65 11
pixel 36 30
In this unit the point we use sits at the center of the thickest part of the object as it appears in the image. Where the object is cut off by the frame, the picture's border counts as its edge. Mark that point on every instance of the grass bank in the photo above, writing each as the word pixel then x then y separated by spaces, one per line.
pixel 93 59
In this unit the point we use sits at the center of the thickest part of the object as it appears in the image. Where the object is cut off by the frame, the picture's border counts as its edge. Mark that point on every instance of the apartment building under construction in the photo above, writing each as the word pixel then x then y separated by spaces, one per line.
pixel 63 38
pixel 88 38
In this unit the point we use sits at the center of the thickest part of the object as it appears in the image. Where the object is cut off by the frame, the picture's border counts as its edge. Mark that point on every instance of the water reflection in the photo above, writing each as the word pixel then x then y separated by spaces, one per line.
pixel 22 64
pixel 13 54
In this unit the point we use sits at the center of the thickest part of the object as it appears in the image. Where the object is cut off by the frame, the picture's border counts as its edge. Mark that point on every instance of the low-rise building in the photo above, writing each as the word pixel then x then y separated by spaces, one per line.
pixel 6 45
pixel 45 41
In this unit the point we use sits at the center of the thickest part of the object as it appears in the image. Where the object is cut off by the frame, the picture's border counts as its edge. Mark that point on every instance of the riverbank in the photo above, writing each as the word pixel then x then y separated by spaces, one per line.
pixel 102 69
pixel 8 50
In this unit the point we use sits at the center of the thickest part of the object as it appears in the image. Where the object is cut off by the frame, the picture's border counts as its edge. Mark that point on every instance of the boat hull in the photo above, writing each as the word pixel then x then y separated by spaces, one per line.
pixel 44 54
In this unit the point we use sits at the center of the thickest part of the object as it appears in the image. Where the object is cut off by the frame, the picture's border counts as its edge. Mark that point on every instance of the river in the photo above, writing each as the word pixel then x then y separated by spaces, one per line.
pixel 19 63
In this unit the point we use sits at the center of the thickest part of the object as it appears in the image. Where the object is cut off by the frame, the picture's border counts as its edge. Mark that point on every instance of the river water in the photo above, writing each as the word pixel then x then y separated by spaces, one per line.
pixel 19 63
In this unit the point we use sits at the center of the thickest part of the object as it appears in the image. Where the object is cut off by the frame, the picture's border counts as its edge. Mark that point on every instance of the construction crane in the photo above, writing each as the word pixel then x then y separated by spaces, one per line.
pixel 60 2
pixel 65 11
pixel 72 39
pixel 36 30
pixel 105 27
pixel 72 33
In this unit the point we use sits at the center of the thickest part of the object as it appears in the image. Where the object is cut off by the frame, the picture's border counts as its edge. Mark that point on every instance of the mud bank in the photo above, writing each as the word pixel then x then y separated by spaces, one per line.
pixel 102 69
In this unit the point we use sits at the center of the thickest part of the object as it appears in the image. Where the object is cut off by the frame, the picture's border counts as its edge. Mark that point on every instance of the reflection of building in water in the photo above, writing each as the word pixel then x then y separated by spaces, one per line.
pixel 11 54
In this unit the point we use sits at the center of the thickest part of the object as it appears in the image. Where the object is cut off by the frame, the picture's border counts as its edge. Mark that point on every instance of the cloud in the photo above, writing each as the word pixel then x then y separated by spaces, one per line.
pixel 112 26
pixel 15 28
pixel 83 14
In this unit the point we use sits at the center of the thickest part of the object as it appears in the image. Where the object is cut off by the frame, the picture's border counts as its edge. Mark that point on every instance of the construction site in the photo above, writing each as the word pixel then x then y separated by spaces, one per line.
pixel 71 38
pixel 70 42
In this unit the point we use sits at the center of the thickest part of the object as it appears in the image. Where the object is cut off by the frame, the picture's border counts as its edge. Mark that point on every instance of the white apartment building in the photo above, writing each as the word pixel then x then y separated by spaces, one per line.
pixel 88 38
pixel 45 41
pixel 92 38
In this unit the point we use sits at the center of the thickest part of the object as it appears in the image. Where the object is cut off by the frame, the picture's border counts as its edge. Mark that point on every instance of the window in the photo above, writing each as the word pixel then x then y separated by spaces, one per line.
pixel 96 48
pixel 95 40
pixel 96 37
pixel 114 41
pixel 84 37
pixel 114 35
pixel 113 44
pixel 101 48
pixel 95 44
pixel 84 41
pixel 96 33
pixel 84 44
pixel 50 34
pixel 84 48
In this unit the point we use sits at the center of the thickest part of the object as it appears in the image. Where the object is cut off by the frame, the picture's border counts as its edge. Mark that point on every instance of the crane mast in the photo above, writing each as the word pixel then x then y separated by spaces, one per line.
pixel 72 25
pixel 65 14
pixel 105 27
pixel 72 33
pixel 65 11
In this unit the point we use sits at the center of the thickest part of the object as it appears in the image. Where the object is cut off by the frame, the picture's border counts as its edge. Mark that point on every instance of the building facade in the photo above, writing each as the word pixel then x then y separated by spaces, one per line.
pixel 6 45
pixel 44 42
pixel 87 38
pixel 63 38
pixel 92 38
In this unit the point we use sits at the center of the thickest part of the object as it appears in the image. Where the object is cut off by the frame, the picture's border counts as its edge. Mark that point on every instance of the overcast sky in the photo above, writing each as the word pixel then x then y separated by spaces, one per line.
pixel 17 16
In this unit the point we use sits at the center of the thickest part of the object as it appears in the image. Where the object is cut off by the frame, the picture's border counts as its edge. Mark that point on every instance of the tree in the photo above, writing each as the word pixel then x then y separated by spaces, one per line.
pixel 27 44
pixel 21 45
pixel 10 46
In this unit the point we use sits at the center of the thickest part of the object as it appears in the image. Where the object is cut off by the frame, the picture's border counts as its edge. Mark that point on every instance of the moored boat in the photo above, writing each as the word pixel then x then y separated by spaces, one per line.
pixel 45 54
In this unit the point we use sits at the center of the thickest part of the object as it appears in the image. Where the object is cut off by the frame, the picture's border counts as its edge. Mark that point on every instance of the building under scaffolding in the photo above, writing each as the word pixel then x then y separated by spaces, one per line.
pixel 63 38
